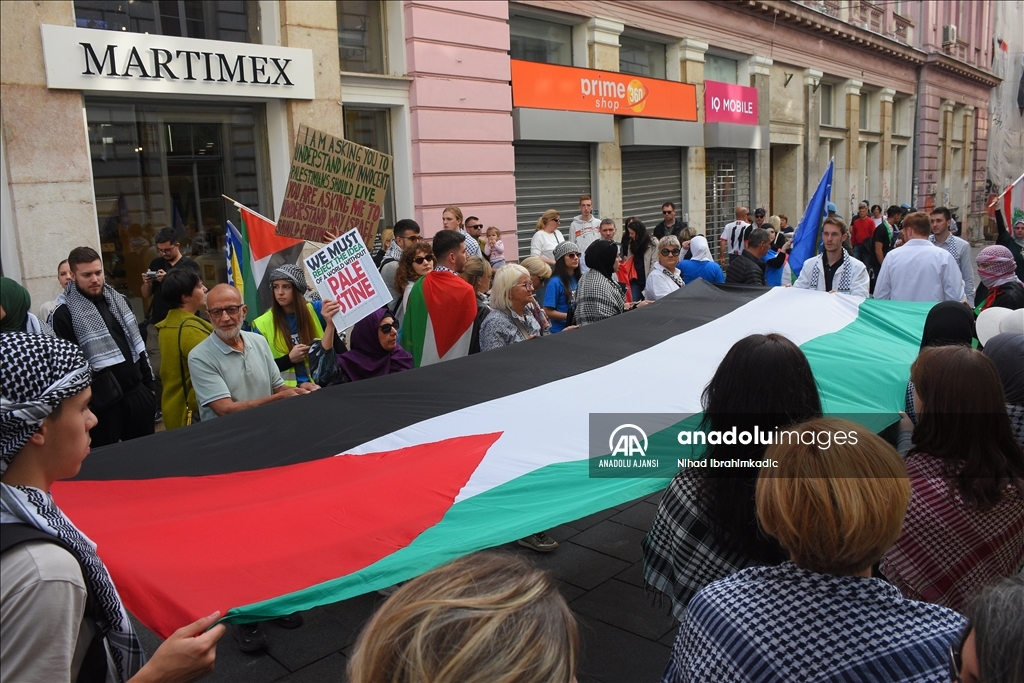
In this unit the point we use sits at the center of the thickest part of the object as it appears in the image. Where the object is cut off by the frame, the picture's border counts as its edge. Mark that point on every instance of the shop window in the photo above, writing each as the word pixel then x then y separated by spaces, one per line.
pixel 641 57
pixel 232 20
pixel 158 165
pixel 827 99
pixel 721 69
pixel 361 39
pixel 372 128
pixel 540 41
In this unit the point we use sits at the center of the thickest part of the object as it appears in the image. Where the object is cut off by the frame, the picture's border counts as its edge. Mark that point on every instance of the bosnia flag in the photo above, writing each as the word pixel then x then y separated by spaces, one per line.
pixel 322 497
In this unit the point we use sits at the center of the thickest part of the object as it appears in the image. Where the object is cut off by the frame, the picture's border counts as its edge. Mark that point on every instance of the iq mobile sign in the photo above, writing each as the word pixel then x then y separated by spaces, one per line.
pixel 548 86
pixel 730 103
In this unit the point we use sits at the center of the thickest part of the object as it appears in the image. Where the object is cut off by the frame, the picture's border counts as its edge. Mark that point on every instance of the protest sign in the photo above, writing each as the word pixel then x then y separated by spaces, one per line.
pixel 343 271
pixel 334 186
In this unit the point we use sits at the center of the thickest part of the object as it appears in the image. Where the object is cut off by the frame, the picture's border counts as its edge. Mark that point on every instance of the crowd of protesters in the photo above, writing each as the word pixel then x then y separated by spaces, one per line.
pixel 903 558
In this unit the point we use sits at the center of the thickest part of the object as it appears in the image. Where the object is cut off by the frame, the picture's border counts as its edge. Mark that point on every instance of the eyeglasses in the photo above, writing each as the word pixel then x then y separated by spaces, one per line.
pixel 168 250
pixel 670 252
pixel 232 311
pixel 420 259
pixel 956 662
pixel 668 211
pixel 387 328
pixel 410 238
pixel 528 285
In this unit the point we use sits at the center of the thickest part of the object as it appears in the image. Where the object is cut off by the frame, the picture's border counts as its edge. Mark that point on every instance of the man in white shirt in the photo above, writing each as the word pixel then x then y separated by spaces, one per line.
pixel 918 270
pixel 727 241
pixel 585 228
pixel 959 249
pixel 835 270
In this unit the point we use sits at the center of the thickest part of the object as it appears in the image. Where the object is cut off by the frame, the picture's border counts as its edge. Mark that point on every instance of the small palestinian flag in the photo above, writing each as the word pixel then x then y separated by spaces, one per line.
pixel 439 318
pixel 319 498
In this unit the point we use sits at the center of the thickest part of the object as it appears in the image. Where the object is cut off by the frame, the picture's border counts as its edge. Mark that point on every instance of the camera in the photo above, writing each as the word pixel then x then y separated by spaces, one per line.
pixel 150 274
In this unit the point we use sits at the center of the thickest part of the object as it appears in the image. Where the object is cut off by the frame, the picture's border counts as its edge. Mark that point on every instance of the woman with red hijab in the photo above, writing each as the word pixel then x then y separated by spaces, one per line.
pixel 374 350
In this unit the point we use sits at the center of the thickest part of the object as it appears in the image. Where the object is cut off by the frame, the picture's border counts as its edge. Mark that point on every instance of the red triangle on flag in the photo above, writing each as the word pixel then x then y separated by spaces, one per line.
pixel 263 241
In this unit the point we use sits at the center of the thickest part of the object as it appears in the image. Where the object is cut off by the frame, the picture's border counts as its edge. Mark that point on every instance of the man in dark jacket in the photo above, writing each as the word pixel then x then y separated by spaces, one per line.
pixel 99 320
pixel 748 269
pixel 671 225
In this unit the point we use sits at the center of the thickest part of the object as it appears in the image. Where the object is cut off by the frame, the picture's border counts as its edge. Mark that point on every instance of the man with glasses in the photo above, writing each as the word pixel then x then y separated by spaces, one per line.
pixel 233 370
pixel 170 257
pixel 473 228
pixel 670 225
pixel 407 233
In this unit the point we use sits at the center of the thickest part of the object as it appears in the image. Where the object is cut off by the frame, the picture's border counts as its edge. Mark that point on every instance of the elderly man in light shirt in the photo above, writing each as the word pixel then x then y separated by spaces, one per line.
pixel 919 270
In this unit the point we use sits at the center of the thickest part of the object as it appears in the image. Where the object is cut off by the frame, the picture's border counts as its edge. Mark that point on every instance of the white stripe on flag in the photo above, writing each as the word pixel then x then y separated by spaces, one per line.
pixel 650 381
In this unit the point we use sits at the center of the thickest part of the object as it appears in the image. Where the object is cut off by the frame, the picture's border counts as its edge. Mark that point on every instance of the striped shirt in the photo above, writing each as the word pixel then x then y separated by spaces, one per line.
pixel 785 623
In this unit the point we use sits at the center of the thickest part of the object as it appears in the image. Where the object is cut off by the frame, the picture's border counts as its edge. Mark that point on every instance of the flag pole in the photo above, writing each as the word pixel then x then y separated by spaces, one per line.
pixel 240 204
pixel 1003 193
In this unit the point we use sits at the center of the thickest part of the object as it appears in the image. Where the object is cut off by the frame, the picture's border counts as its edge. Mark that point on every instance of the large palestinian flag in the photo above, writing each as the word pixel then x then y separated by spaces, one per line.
pixel 431 337
pixel 322 497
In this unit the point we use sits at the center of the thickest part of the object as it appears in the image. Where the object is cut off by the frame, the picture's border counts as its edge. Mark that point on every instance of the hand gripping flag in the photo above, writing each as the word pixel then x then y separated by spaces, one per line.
pixel 807 240
pixel 319 498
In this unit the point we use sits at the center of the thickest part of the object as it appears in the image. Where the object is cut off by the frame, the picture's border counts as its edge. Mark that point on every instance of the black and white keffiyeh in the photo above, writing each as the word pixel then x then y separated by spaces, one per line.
pixel 597 298
pixel 27 505
pixel 844 271
pixel 39 372
pixel 99 347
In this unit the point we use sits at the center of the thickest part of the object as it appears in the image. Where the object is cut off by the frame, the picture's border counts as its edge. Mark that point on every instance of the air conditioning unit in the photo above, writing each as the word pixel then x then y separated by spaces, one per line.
pixel 948 34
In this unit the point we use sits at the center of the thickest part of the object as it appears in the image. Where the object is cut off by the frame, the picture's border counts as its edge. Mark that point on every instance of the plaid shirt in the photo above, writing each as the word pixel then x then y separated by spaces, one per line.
pixel 597 298
pixel 681 552
pixel 948 551
pixel 785 623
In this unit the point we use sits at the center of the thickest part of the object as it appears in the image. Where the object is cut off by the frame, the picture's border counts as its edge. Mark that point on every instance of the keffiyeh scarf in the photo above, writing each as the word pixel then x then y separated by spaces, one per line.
pixel 843 272
pixel 99 347
pixel 39 373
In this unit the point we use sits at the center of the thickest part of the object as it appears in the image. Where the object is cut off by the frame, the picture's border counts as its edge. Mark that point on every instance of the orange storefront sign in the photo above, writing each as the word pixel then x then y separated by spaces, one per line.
pixel 547 86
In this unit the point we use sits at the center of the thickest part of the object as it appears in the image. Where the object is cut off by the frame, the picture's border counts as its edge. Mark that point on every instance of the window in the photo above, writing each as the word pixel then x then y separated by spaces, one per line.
pixel 826 104
pixel 236 21
pixel 864 117
pixel 371 127
pixel 897 114
pixel 721 69
pixel 361 42
pixel 641 57
pixel 540 41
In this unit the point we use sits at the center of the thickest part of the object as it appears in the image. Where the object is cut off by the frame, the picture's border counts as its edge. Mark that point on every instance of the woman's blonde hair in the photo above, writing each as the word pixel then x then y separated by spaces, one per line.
pixel 775 222
pixel 485 617
pixel 387 235
pixel 536 267
pixel 837 498
pixel 475 270
pixel 455 211
pixel 549 215
pixel 505 279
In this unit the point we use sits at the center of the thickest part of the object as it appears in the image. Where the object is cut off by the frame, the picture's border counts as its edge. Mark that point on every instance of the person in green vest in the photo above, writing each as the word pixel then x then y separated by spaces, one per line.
pixel 179 332
pixel 291 325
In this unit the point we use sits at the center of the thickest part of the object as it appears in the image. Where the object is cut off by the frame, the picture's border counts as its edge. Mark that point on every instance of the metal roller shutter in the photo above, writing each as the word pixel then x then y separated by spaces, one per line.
pixel 651 176
pixel 548 176
pixel 727 173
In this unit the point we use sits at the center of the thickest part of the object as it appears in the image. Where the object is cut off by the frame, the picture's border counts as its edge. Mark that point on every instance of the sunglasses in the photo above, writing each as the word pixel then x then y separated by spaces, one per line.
pixel 386 328
pixel 420 259
pixel 670 252
pixel 669 211
pixel 573 254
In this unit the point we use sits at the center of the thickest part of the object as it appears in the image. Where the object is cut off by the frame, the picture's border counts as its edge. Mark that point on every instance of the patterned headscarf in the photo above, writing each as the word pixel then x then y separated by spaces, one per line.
pixel 996 266
pixel 39 372
pixel 292 273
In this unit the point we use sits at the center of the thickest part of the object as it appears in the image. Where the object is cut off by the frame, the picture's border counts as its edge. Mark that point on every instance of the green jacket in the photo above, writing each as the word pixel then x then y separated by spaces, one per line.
pixel 179 333
pixel 279 345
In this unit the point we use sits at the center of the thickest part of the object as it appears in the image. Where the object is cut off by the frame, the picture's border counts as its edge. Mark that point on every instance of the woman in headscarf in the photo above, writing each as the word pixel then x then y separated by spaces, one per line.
pixel 291 325
pixel 999 284
pixel 15 303
pixel 374 350
pixel 598 295
pixel 56 591
pixel 949 323
pixel 1007 351
pixel 700 264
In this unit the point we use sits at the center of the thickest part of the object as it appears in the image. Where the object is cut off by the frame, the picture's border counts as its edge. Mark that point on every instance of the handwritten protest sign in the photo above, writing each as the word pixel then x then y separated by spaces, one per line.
pixel 334 185
pixel 343 271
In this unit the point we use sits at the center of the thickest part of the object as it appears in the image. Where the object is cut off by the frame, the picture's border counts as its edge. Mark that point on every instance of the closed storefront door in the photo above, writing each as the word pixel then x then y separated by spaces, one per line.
pixel 727 174
pixel 651 176
pixel 548 176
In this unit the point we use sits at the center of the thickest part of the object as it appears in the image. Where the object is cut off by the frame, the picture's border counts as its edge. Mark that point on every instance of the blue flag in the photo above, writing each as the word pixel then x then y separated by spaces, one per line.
pixel 807 240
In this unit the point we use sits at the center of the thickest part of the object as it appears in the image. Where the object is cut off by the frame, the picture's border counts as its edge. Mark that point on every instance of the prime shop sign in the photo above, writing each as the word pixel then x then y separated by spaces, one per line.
pixel 114 61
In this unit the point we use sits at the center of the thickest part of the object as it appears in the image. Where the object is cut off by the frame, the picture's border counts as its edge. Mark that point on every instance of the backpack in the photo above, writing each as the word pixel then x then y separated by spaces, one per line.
pixel 94 665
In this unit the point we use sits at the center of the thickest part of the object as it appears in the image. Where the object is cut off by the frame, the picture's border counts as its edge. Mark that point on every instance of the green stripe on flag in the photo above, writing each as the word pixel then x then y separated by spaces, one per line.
pixel 250 291
pixel 414 325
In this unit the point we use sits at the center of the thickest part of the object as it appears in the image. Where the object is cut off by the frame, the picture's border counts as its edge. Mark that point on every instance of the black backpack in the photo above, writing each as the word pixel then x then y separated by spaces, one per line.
pixel 94 665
